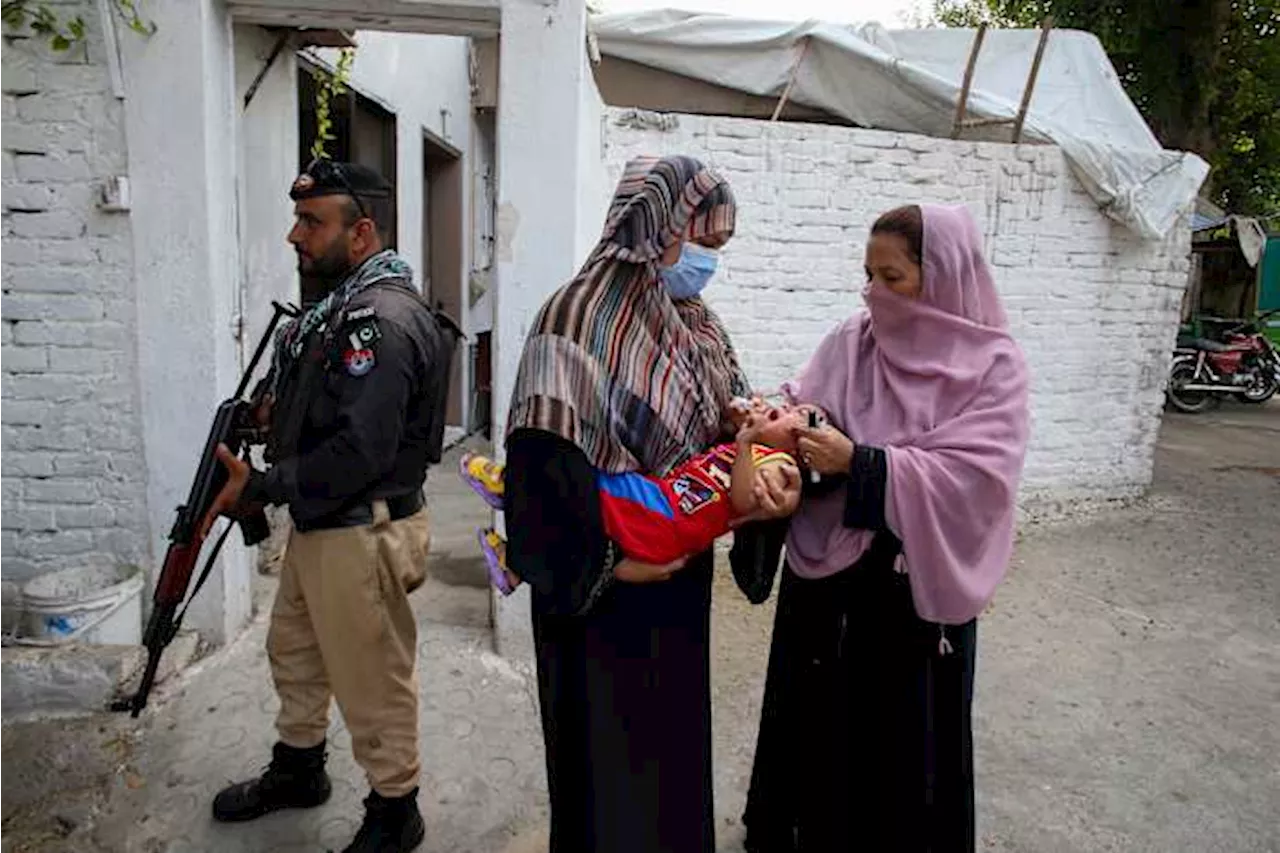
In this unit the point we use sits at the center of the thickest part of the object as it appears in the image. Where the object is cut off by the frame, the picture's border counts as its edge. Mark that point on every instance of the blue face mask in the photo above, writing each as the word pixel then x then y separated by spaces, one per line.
pixel 688 276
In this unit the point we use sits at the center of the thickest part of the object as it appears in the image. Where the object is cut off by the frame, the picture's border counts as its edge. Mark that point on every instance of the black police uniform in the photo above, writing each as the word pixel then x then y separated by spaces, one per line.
pixel 357 419
pixel 364 415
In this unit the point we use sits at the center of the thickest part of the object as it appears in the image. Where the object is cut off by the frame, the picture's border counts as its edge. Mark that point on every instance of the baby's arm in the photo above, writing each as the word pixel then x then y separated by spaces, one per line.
pixel 742 479
pixel 742 485
pixel 735 415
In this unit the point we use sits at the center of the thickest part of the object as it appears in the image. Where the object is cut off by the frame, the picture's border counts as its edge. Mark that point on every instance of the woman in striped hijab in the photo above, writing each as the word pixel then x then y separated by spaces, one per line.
pixel 626 369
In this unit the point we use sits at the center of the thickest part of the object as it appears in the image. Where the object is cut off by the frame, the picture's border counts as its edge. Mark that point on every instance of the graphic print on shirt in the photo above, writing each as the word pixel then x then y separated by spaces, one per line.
pixel 717 466
pixel 706 480
pixel 694 495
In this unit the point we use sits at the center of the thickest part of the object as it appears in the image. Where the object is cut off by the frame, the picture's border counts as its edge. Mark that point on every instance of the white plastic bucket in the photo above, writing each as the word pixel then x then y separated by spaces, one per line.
pixel 92 604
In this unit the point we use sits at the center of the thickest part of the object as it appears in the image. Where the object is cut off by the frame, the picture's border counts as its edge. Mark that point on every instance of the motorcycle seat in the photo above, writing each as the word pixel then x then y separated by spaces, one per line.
pixel 1203 344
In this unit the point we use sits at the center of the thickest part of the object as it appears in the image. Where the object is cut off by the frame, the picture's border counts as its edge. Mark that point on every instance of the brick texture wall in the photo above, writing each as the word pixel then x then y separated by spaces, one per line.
pixel 1094 307
pixel 73 474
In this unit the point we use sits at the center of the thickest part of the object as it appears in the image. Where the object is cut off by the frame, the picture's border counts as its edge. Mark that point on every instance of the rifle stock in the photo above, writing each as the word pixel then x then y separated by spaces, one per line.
pixel 232 426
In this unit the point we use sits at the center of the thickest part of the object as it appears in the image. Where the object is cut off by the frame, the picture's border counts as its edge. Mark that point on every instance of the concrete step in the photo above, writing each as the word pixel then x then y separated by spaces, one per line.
pixel 459 569
pixel 78 679
pixel 456 514
pixel 447 604
pixel 178 655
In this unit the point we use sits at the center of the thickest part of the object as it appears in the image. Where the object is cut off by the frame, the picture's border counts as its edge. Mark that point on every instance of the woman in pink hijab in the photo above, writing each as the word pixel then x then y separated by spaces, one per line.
pixel 866 739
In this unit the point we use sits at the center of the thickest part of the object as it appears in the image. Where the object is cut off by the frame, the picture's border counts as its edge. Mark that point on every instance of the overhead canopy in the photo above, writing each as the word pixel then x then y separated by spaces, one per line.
pixel 1200 222
pixel 1247 230
pixel 910 81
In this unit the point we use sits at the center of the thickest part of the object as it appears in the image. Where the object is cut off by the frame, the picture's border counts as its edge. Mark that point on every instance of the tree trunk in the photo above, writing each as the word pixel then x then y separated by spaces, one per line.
pixel 1195 42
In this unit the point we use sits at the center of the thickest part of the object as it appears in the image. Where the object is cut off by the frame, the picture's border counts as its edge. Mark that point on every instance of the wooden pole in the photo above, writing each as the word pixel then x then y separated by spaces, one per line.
pixel 1031 79
pixel 281 40
pixel 791 80
pixel 985 122
pixel 968 81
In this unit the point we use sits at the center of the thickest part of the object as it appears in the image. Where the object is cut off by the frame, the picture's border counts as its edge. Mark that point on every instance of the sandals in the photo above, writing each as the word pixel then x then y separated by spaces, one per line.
pixel 494 549
pixel 484 476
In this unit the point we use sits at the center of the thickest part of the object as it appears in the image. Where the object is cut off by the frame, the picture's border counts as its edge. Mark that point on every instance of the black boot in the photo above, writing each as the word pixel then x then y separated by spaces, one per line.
pixel 294 780
pixel 391 825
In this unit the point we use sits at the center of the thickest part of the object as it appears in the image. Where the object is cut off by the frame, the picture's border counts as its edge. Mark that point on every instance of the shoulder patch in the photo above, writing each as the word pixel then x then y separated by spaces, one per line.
pixel 360 313
pixel 358 361
pixel 365 334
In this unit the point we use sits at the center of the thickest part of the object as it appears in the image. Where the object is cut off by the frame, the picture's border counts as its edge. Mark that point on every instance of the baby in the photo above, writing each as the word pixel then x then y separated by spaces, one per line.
pixel 659 520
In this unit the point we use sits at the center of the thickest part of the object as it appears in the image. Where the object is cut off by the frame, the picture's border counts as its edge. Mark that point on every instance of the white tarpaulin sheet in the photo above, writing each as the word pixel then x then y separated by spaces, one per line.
pixel 910 81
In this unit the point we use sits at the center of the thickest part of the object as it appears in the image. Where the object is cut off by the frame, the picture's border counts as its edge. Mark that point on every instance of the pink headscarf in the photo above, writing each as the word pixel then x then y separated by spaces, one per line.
pixel 942 387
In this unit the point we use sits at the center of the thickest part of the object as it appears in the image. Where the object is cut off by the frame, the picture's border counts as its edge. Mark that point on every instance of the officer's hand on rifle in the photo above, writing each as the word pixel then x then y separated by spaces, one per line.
pixel 237 477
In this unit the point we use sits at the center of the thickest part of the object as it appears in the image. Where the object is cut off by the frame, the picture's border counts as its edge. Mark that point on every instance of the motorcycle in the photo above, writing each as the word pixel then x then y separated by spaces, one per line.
pixel 1244 364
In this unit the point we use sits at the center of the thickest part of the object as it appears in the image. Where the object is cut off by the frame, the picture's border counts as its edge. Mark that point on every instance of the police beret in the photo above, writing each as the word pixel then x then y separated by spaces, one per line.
pixel 327 177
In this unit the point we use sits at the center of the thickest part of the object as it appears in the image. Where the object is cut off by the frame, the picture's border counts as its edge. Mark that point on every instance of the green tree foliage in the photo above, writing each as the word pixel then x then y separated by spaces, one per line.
pixel 328 87
pixel 64 35
pixel 1204 73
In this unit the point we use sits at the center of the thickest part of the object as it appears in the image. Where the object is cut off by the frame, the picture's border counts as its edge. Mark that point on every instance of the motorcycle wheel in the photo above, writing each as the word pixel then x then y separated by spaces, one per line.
pixel 1190 402
pixel 1262 390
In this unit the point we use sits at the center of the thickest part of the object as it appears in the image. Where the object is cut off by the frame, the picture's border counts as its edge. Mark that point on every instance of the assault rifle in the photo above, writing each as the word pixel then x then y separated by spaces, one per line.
pixel 235 425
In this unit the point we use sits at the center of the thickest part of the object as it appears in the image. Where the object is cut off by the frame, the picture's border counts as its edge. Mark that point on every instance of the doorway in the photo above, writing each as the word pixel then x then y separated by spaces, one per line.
pixel 364 132
pixel 443 270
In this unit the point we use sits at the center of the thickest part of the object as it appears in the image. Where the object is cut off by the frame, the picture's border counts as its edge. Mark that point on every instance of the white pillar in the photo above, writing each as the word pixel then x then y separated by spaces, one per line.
pixel 542 69
pixel 180 123
pixel 267 164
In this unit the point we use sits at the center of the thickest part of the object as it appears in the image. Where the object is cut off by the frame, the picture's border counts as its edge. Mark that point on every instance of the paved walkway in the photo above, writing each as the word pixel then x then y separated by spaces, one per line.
pixel 1126 698
pixel 481 752
pixel 483 781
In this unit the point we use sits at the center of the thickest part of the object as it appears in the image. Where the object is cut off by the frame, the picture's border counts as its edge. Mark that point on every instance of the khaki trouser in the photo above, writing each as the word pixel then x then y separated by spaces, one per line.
pixel 341 626
pixel 271 552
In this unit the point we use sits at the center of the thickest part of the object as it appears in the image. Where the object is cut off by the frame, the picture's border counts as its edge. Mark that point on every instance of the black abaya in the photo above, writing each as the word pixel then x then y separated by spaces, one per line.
pixel 865 738
pixel 623 670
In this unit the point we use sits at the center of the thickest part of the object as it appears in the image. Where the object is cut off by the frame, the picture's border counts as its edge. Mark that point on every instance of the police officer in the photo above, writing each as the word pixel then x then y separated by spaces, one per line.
pixel 354 405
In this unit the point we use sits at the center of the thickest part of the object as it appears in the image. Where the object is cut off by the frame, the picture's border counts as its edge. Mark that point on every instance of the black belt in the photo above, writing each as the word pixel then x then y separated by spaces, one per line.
pixel 358 515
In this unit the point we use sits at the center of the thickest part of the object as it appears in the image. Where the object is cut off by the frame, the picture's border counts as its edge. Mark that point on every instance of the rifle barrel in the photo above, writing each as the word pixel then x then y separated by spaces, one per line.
pixel 156 637
pixel 184 547
pixel 277 311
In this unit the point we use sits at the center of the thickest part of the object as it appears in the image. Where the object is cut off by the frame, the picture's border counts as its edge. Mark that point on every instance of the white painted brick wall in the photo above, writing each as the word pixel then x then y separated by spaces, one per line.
pixel 1094 307
pixel 73 474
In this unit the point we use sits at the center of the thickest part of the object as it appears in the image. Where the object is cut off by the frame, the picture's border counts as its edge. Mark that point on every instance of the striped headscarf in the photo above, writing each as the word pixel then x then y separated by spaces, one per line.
pixel 634 379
